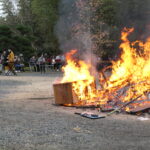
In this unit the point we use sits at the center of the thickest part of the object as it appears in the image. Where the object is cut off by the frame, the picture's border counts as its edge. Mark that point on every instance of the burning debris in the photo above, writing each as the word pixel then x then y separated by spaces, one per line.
pixel 127 88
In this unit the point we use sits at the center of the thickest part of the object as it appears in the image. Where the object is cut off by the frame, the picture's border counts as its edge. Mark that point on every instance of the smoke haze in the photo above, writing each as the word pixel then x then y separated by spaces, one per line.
pixel 69 28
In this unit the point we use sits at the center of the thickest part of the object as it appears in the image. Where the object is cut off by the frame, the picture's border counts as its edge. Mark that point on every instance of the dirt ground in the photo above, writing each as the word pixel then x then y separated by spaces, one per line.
pixel 30 121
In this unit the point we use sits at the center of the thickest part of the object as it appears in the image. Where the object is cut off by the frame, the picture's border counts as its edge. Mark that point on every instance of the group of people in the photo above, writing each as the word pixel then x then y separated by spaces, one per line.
pixel 10 63
pixel 7 62
pixel 39 63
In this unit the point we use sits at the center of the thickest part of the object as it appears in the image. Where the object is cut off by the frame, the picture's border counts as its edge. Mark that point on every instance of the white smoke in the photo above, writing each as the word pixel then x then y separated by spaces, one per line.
pixel 72 32
pixel 70 37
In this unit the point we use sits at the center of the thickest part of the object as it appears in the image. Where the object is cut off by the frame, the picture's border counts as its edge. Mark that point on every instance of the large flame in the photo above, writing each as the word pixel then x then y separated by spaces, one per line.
pixel 133 68
pixel 78 73
pixel 130 74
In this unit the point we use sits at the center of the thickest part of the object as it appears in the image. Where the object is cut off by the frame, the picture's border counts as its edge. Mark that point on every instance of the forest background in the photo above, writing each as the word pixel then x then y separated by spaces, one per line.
pixel 55 26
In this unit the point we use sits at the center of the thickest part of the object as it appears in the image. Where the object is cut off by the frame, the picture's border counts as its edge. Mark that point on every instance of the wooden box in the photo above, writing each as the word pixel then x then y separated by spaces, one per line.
pixel 63 93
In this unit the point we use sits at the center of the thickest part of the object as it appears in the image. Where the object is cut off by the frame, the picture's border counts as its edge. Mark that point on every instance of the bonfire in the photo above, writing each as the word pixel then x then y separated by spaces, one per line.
pixel 128 84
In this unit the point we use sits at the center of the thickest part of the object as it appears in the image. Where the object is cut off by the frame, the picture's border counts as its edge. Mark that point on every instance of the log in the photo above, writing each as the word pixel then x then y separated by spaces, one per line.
pixel 126 104
pixel 88 106
pixel 141 108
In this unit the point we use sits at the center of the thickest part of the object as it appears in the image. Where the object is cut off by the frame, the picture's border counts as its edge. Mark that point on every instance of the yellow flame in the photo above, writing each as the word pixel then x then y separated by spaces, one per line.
pixel 133 68
pixel 78 73
pixel 131 72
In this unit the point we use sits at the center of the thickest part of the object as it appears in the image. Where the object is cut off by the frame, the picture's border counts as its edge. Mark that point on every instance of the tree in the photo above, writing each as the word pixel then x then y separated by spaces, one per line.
pixel 5 38
pixel 46 14
pixel 25 12
pixel 9 12
pixel 19 41
pixel 94 24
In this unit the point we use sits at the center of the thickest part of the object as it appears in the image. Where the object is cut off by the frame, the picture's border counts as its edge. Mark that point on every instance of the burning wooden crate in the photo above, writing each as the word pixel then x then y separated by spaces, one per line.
pixel 64 93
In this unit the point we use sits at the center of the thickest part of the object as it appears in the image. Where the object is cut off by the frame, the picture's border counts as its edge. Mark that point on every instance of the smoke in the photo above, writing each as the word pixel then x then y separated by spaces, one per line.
pixel 70 28
pixel 73 29
pixel 147 22
pixel 135 13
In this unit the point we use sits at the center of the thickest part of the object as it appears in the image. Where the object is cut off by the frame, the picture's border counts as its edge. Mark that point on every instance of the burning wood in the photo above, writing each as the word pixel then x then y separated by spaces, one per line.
pixel 130 78
pixel 64 93
pixel 142 108
pixel 126 104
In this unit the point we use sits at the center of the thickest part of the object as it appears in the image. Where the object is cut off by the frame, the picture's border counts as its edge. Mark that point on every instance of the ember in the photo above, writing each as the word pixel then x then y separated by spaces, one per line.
pixel 128 84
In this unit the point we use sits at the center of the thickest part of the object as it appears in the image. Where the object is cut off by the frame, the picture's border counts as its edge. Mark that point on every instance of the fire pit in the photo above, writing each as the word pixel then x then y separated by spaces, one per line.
pixel 127 87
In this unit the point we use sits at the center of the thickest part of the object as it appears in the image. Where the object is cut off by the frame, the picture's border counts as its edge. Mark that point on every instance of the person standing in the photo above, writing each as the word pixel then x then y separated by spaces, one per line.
pixel 21 62
pixel 32 63
pixel 58 62
pixel 5 62
pixel 1 66
pixel 11 61
pixel 41 61
pixel 53 63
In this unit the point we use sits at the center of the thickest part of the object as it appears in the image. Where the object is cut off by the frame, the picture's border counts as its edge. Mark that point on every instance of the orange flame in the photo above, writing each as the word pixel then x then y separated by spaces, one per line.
pixel 133 68
pixel 131 73
pixel 78 73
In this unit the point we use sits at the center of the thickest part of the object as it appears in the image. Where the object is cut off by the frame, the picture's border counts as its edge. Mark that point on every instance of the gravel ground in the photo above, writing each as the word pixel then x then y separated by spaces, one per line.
pixel 30 121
